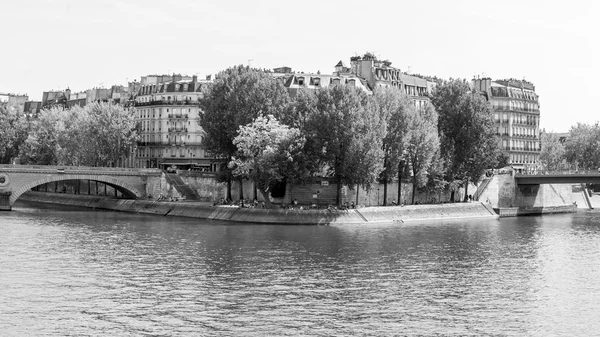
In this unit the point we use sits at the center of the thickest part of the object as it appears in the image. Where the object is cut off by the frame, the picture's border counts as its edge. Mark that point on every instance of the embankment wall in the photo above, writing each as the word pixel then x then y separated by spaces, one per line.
pixel 364 215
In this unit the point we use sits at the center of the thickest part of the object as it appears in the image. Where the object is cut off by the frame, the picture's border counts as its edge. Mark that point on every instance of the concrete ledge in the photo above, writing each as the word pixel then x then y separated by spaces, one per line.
pixel 395 214
pixel 504 212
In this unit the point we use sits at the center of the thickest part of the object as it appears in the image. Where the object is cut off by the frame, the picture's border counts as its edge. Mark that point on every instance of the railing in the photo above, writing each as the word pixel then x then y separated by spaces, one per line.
pixel 183 116
pixel 69 168
pixel 166 102
pixel 535 171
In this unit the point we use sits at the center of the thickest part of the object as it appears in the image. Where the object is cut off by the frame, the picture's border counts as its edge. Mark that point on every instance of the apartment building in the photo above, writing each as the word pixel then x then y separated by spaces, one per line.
pixel 168 113
pixel 517 117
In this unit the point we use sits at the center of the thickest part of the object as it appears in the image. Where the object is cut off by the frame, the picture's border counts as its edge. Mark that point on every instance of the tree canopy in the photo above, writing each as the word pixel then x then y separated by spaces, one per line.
pixel 582 147
pixel 13 132
pixel 552 153
pixel 99 134
pixel 267 152
pixel 470 144
pixel 237 96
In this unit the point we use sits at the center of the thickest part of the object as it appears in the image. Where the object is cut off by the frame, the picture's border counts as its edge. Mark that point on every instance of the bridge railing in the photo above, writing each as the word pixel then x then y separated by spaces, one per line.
pixel 557 172
pixel 60 168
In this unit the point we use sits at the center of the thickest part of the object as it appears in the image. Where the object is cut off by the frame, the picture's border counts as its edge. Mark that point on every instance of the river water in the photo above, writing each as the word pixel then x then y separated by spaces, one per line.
pixel 75 272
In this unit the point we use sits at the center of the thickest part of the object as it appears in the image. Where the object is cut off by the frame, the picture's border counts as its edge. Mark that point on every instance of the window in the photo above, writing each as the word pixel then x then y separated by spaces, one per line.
pixel 300 80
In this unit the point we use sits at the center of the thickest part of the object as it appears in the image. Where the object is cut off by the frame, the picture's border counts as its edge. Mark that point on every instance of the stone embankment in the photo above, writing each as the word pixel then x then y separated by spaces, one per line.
pixel 366 215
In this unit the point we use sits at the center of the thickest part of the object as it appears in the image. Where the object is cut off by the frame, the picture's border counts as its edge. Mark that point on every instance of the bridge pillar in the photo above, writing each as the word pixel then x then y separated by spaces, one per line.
pixel 5 200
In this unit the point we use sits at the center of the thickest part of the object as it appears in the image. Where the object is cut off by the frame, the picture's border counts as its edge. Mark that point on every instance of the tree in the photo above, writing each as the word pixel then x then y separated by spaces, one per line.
pixel 466 125
pixel 423 145
pixel 342 127
pixel 267 152
pixel 13 133
pixel 42 146
pixel 394 108
pixel 98 134
pixel 553 151
pixel 582 147
pixel 236 97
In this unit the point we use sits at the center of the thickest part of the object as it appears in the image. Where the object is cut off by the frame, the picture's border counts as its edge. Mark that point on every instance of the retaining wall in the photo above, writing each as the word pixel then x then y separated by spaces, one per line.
pixel 364 215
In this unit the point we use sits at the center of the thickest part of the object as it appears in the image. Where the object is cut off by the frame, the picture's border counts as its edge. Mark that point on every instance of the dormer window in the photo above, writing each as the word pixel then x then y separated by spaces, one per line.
pixel 316 81
pixel 300 80
pixel 352 82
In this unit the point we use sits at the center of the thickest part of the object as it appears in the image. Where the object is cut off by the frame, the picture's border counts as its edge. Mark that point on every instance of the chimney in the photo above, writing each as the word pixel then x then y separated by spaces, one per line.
pixel 194 79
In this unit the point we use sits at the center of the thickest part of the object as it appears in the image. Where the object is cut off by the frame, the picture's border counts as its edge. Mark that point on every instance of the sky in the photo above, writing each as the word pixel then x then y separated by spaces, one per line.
pixel 52 45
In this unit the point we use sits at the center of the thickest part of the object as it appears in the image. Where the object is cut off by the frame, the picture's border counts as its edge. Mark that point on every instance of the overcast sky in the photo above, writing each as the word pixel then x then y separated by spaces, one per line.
pixel 84 44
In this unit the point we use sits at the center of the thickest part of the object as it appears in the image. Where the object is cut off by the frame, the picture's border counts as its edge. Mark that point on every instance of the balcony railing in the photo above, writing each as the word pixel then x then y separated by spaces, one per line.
pixel 178 129
pixel 167 102
pixel 182 116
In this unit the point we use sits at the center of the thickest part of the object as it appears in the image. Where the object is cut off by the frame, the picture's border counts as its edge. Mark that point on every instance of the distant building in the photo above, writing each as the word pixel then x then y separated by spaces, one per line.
pixel 168 113
pixel 52 99
pixel 381 74
pixel 296 81
pixel 32 108
pixel 17 102
pixel 517 116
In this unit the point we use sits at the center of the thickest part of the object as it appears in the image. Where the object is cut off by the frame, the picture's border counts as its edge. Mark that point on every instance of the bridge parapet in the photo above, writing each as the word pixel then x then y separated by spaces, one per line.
pixel 120 171
pixel 557 172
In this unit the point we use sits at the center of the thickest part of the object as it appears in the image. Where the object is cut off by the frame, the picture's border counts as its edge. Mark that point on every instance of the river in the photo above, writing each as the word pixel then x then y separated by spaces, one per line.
pixel 76 272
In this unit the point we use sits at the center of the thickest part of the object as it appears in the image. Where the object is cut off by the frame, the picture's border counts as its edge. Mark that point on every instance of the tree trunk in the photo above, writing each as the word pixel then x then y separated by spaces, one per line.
pixel 414 188
pixel 255 191
pixel 265 195
pixel 452 196
pixel 241 189
pixel 400 172
pixel 357 186
pixel 229 188
pixel 339 190
pixel 466 190
pixel 385 186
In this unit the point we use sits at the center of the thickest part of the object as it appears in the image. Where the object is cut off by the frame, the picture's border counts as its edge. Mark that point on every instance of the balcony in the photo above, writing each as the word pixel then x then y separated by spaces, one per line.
pixel 178 116
pixel 166 102
pixel 152 143
pixel 178 129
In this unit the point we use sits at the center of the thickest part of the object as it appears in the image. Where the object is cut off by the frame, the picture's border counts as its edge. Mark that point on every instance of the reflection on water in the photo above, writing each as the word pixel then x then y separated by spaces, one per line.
pixel 72 272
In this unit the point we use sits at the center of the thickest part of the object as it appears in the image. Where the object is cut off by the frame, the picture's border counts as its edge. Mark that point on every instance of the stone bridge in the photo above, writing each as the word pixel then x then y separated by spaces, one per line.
pixel 18 179
pixel 584 177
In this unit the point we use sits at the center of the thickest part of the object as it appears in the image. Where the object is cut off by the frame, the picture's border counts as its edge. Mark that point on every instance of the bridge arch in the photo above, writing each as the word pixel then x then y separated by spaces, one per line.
pixel 127 189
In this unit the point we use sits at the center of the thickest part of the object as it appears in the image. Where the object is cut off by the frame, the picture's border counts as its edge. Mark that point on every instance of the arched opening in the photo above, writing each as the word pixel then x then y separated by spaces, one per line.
pixel 80 185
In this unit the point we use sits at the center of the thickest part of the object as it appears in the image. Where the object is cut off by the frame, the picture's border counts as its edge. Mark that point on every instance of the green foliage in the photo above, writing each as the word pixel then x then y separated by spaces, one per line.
pixel 13 132
pixel 466 126
pixel 267 152
pixel 97 135
pixel 423 145
pixel 553 151
pixel 582 147
pixel 237 96
pixel 395 109
pixel 344 130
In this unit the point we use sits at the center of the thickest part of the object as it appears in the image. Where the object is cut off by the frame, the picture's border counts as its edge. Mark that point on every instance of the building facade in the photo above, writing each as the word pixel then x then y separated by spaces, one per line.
pixel 168 114
pixel 517 118
pixel 379 73
pixel 296 81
